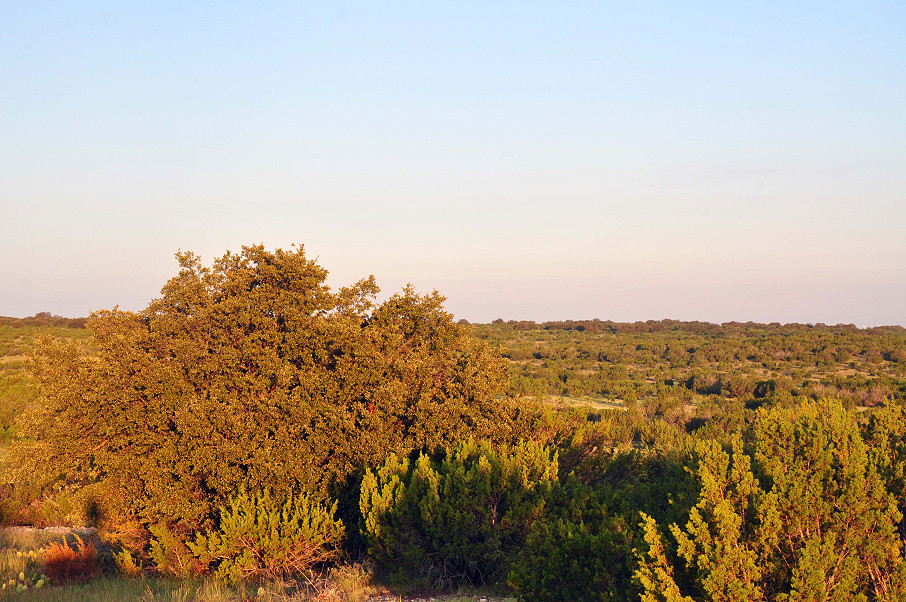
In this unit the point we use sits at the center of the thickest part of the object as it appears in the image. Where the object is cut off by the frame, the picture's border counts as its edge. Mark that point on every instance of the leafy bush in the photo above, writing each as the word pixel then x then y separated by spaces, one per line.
pixel 260 538
pixel 458 520
pixel 169 552
pixel 126 564
pixel 576 551
pixel 253 373
pixel 801 513
pixel 64 564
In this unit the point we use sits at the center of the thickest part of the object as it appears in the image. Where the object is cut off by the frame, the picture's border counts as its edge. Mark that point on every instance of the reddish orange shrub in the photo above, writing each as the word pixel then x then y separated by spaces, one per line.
pixel 64 564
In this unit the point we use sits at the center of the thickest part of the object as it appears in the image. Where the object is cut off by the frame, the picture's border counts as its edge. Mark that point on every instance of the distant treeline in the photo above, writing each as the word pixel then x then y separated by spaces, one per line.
pixel 695 327
pixel 595 325
pixel 44 318
pixel 667 365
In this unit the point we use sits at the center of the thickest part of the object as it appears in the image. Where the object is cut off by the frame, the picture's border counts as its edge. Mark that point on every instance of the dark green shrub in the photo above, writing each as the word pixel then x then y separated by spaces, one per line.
pixel 459 520
pixel 261 538
pixel 576 551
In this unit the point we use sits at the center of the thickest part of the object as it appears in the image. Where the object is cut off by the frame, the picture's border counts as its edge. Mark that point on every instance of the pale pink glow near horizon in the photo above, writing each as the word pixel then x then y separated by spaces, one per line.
pixel 530 163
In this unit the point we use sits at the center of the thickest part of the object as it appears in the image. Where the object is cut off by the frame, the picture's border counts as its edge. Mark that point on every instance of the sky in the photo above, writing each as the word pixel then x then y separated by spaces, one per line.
pixel 709 161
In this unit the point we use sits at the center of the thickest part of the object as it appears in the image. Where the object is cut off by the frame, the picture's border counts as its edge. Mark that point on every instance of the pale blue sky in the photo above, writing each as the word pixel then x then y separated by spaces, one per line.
pixel 712 161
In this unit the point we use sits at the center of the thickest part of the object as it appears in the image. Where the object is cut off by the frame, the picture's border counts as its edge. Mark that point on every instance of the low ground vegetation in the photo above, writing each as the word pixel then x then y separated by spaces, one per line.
pixel 254 433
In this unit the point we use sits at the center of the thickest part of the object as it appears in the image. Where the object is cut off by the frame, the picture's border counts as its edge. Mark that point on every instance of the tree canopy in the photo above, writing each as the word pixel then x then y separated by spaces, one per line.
pixel 254 373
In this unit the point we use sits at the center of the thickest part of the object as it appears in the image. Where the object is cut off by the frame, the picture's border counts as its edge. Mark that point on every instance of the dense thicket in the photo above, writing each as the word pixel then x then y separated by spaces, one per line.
pixel 459 519
pixel 800 514
pixel 254 374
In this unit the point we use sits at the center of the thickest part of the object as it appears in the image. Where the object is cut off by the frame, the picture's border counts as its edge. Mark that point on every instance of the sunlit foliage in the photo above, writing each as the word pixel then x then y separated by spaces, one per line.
pixel 253 373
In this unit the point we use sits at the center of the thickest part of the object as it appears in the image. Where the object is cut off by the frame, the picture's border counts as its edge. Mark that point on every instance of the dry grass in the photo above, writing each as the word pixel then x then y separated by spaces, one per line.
pixel 582 402
pixel 353 582
pixel 111 589
pixel 26 551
